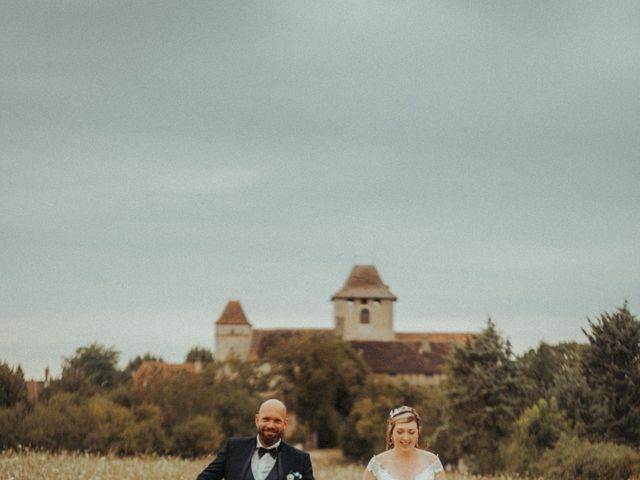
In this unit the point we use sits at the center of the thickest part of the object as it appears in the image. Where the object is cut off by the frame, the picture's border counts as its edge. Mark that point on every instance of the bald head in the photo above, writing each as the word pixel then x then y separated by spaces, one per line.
pixel 273 403
pixel 271 421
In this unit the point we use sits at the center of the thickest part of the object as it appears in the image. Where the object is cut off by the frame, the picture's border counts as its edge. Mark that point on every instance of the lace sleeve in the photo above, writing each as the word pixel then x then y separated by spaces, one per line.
pixel 437 465
pixel 373 466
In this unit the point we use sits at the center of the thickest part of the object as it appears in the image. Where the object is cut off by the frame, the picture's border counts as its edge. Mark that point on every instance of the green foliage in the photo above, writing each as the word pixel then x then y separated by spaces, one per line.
pixel 611 366
pixel 64 422
pixel 320 377
pixel 536 431
pixel 199 354
pixel 178 395
pixel 145 434
pixel 576 459
pixel 485 395
pixel 555 371
pixel 235 388
pixel 12 386
pixel 110 421
pixel 199 435
pixel 11 426
pixel 94 363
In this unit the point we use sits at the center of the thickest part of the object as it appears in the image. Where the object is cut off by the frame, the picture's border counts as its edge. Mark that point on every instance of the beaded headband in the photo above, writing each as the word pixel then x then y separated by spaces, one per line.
pixel 399 410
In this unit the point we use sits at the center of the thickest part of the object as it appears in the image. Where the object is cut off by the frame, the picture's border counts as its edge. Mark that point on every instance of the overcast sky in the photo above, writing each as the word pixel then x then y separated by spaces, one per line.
pixel 161 158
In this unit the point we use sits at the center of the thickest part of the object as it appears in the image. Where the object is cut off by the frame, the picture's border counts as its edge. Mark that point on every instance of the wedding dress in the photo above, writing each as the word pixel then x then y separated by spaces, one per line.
pixel 427 474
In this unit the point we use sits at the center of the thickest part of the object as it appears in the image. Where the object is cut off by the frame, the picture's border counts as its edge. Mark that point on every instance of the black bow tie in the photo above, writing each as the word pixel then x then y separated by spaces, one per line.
pixel 271 451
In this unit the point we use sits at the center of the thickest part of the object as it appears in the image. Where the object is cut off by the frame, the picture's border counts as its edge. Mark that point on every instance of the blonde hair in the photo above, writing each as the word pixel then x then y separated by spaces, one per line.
pixel 402 414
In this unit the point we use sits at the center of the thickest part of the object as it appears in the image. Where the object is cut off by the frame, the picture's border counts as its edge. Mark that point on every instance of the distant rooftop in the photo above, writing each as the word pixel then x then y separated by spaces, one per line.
pixel 364 282
pixel 233 315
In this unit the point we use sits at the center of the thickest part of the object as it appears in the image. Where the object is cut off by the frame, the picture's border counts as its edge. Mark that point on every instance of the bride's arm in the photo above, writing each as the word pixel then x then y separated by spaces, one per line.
pixel 439 476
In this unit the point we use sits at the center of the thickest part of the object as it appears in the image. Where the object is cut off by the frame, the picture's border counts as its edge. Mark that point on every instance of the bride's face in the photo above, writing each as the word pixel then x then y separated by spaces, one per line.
pixel 405 435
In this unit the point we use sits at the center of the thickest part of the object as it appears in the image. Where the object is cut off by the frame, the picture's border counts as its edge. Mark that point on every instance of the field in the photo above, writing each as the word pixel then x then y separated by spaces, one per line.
pixel 66 466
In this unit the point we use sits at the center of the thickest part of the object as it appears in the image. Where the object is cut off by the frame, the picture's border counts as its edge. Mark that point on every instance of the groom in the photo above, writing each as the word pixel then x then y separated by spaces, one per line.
pixel 263 457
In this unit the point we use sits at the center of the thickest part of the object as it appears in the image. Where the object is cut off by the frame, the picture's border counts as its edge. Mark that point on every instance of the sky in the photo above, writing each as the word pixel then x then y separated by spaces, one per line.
pixel 159 159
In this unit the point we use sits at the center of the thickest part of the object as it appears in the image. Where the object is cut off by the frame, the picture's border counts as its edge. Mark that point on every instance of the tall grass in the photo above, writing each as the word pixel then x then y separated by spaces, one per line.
pixel 78 466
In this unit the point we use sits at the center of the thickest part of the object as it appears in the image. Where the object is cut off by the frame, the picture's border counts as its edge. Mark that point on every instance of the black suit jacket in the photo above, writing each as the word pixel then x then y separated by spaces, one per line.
pixel 234 461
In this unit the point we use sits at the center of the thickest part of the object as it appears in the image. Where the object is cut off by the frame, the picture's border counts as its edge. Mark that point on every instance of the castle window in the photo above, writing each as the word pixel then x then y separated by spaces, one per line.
pixel 364 315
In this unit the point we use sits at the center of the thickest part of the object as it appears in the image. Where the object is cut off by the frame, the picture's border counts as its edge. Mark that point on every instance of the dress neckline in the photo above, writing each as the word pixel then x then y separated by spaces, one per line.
pixel 425 470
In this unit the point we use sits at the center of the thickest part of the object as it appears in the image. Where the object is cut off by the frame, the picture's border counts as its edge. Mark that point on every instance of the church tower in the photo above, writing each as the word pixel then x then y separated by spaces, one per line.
pixel 363 308
pixel 232 333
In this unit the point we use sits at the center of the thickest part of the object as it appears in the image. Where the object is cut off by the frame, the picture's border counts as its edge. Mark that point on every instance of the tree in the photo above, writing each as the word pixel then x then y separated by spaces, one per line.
pixel 199 354
pixel 94 363
pixel 555 371
pixel 485 395
pixel 135 363
pixel 179 395
pixel 12 386
pixel 320 377
pixel 537 430
pixel 235 388
pixel 611 366
pixel 199 435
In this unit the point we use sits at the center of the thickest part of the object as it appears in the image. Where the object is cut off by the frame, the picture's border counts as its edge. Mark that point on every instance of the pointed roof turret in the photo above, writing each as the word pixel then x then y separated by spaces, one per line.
pixel 233 315
pixel 364 282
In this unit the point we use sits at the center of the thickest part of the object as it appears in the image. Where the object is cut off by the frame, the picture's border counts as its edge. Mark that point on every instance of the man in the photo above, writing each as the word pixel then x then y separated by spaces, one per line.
pixel 263 457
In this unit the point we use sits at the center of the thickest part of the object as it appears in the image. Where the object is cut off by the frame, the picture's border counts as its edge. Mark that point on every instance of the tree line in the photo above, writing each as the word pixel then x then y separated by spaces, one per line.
pixel 569 410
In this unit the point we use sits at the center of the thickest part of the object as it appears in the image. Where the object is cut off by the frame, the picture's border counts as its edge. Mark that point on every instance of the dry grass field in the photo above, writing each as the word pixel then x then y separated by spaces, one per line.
pixel 67 466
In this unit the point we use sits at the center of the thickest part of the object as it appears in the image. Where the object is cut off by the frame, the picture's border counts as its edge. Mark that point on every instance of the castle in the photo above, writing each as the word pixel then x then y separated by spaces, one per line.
pixel 363 316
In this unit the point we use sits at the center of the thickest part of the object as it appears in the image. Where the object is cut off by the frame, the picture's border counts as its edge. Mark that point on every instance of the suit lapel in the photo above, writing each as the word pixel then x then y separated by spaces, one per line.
pixel 246 469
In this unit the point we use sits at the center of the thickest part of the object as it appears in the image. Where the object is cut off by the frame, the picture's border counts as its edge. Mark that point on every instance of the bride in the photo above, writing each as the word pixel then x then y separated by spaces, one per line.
pixel 403 459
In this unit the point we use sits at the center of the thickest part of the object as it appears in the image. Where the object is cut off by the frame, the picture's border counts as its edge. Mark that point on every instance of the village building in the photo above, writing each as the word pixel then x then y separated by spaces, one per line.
pixel 150 370
pixel 364 317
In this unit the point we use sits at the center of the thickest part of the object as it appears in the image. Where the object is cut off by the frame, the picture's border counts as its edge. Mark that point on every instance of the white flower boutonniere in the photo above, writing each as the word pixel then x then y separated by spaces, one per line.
pixel 294 476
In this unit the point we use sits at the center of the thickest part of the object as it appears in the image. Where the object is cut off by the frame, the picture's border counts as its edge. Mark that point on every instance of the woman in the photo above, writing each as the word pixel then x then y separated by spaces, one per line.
pixel 404 460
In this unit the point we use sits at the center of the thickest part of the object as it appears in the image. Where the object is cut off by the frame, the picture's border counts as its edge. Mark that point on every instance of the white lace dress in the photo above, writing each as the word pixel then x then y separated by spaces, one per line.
pixel 427 474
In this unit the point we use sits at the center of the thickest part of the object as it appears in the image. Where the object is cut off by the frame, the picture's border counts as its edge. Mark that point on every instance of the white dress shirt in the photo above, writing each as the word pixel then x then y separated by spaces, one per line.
pixel 260 467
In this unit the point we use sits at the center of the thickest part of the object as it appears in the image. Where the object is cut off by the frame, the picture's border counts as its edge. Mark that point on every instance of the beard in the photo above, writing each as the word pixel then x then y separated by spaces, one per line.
pixel 269 436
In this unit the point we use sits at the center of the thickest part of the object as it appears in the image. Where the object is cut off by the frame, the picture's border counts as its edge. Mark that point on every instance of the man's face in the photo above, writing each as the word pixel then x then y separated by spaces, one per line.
pixel 271 422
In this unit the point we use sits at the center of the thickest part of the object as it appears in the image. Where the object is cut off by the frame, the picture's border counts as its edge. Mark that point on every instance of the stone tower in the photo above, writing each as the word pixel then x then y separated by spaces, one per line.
pixel 363 308
pixel 232 333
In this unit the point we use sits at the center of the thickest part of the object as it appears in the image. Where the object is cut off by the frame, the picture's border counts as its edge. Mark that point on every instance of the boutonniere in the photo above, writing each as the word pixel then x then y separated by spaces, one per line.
pixel 294 476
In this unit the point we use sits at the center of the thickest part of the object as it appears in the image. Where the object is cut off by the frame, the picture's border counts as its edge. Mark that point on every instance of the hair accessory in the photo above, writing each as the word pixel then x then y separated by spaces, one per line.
pixel 399 410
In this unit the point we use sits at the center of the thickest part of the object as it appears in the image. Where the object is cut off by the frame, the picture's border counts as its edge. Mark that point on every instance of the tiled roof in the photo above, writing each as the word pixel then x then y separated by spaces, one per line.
pixel 149 369
pixel 398 358
pixel 456 338
pixel 392 358
pixel 364 282
pixel 233 315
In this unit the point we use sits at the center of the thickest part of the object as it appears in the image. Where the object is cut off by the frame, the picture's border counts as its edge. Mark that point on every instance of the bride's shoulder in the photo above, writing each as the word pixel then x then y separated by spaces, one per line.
pixel 431 461
pixel 378 460
pixel 426 454
pixel 383 455
pixel 428 457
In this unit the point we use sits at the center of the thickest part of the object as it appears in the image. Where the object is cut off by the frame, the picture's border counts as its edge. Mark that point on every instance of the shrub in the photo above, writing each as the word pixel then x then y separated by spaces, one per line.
pixel 576 459
pixel 11 421
pixel 196 436
pixel 537 430
pixel 146 434
pixel 62 423
pixel 110 422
